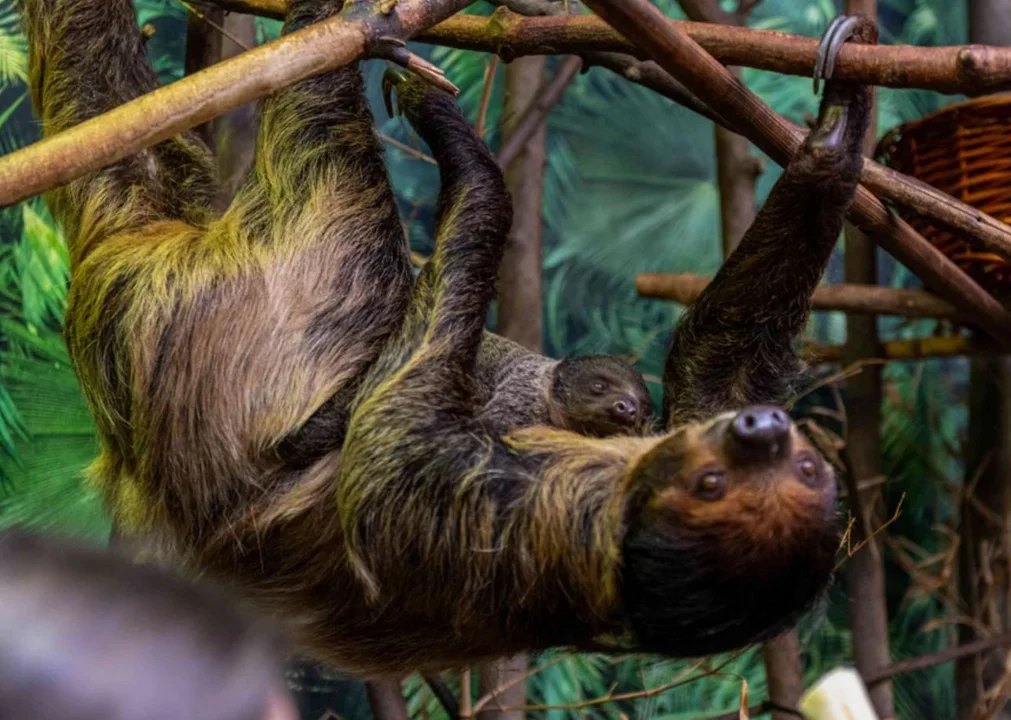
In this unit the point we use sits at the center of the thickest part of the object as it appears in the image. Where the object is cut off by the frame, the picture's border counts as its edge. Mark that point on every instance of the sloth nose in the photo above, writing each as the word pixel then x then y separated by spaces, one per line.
pixel 626 409
pixel 759 433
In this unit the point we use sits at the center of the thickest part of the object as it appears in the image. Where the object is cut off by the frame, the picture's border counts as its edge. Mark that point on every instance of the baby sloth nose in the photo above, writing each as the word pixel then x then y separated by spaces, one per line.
pixel 626 409
pixel 759 433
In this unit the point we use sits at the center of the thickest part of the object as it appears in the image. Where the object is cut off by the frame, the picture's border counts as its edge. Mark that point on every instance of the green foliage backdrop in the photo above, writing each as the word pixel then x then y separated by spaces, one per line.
pixel 630 187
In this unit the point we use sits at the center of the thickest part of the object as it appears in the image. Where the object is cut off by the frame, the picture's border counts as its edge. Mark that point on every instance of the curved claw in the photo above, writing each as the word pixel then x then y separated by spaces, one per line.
pixel 392 78
pixel 838 32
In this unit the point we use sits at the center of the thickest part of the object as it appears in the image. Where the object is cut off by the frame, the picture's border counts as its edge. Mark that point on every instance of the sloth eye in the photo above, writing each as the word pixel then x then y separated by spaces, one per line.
pixel 711 485
pixel 598 386
pixel 807 467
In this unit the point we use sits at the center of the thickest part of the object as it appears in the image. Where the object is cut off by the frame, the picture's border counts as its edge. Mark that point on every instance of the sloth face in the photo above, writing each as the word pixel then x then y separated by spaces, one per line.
pixel 732 533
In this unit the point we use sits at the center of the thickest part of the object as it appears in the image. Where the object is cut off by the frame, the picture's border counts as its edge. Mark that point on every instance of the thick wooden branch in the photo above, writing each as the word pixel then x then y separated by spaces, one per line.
pixel 968 69
pixel 707 79
pixel 203 96
pixel 685 288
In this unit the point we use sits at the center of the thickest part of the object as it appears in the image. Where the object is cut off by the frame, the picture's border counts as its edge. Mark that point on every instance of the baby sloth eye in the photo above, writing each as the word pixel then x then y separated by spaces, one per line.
pixel 711 485
pixel 598 386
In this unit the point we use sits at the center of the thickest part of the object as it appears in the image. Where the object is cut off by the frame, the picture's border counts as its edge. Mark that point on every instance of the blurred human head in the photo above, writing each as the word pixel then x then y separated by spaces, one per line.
pixel 88 635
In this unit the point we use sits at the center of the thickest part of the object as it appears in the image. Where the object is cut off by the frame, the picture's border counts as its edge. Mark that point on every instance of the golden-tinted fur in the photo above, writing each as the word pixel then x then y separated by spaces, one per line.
pixel 558 529
pixel 206 345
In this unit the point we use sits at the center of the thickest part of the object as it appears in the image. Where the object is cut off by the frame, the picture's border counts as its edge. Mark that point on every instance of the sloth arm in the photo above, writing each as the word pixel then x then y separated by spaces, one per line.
pixel 478 516
pixel 737 343
pixel 414 433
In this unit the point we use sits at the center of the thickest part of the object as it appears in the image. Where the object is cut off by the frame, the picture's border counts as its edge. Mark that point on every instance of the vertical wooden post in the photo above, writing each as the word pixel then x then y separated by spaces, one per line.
pixel 203 49
pixel 865 572
pixel 234 133
pixel 737 172
pixel 519 299
pixel 983 569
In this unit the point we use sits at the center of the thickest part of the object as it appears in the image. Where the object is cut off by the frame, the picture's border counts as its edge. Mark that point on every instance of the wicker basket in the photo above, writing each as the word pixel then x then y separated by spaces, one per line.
pixel 964 150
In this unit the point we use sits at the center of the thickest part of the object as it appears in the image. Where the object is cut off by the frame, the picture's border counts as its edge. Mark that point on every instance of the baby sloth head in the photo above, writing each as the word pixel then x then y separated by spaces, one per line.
pixel 600 395
pixel 732 534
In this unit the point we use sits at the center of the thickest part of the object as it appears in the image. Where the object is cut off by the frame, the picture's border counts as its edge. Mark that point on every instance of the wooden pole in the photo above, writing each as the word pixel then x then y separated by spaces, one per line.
pixel 684 288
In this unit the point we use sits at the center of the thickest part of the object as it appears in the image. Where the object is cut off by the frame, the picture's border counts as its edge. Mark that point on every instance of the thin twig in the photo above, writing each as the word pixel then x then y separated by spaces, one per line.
pixel 213 24
pixel 485 699
pixel 413 152
pixel 851 551
pixel 490 69
pixel 443 694
pixel 679 680
pixel 938 658
pixel 537 114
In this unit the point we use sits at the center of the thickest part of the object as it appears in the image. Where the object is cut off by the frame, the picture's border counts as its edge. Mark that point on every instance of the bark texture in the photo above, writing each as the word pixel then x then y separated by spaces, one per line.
pixel 519 299
pixel 865 574
pixel 984 559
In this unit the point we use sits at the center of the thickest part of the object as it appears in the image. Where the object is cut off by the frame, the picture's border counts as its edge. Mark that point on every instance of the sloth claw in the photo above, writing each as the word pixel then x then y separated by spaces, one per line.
pixel 392 78
pixel 835 36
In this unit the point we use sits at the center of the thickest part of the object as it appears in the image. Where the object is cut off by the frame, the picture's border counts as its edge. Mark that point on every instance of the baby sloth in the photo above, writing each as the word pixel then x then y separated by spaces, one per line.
pixel 600 395
pixel 595 395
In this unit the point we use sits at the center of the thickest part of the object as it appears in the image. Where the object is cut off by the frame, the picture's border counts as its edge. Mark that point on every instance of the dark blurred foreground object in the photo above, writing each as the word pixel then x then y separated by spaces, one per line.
pixel 965 151
pixel 322 692
pixel 87 635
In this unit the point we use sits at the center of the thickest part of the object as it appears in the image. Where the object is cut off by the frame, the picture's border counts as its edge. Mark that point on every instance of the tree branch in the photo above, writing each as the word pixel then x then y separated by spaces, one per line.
pixel 706 78
pixel 535 117
pixel 184 104
pixel 938 658
pixel 386 699
pixel 685 288
pixel 511 35
pixel 968 69
pixel 443 694
pixel 172 109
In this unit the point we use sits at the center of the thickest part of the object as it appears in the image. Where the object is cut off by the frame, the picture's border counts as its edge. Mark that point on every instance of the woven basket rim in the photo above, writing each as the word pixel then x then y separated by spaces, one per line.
pixel 970 104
